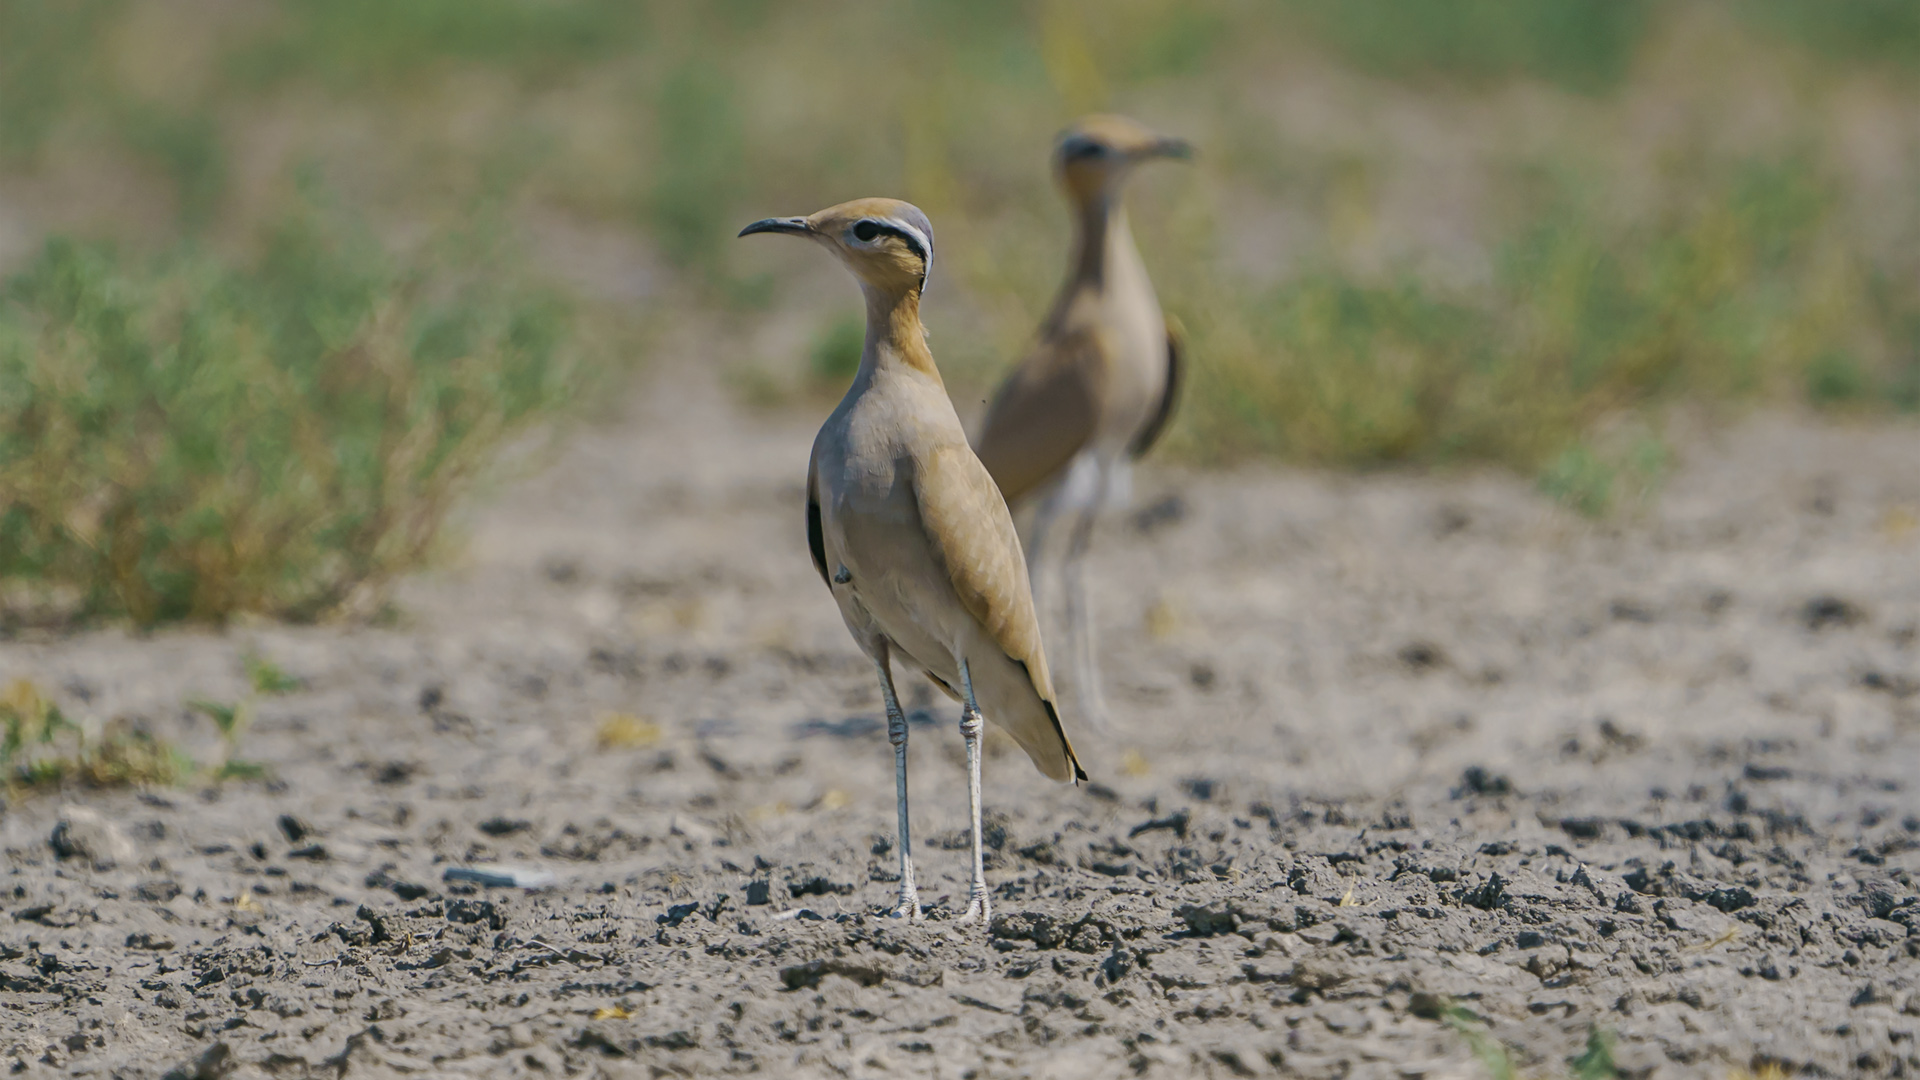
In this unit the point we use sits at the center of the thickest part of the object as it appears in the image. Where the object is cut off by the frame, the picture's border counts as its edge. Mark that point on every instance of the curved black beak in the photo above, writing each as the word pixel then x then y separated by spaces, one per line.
pixel 795 225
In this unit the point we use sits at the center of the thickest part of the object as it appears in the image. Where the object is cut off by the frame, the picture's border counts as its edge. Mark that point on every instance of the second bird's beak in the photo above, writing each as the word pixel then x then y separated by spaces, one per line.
pixel 1169 147
pixel 797 226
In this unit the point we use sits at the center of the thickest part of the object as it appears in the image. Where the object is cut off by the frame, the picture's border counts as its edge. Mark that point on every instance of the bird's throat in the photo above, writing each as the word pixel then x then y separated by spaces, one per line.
pixel 895 337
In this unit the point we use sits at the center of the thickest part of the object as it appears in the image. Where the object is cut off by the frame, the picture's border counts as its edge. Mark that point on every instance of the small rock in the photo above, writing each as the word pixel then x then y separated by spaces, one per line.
pixel 503 826
pixel 503 877
pixel 145 940
pixel 1478 780
pixel 1422 656
pixel 1176 821
pixel 405 890
pixel 394 773
pixel 1207 921
pixel 1825 612
pixel 1870 994
pixel 316 852
pixel 214 1063
pixel 808 975
pixel 295 829
pixel 477 911
pixel 758 893
pixel 818 886
pixel 156 892
pixel 677 914
pixel 83 833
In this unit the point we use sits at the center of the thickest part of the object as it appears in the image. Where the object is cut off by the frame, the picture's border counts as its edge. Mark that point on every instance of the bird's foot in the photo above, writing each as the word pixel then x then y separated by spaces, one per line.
pixel 978 909
pixel 909 909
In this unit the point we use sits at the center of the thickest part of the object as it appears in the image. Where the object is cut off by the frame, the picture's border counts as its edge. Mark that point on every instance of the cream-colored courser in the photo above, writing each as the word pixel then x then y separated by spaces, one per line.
pixel 1099 386
pixel 908 530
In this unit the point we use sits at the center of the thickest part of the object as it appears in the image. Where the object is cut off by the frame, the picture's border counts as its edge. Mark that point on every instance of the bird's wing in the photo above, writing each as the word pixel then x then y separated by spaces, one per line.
pixel 971 536
pixel 1043 414
pixel 816 535
pixel 1169 397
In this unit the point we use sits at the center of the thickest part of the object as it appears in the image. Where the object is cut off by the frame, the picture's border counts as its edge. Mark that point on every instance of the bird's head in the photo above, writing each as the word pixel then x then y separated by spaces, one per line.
pixel 1098 152
pixel 888 244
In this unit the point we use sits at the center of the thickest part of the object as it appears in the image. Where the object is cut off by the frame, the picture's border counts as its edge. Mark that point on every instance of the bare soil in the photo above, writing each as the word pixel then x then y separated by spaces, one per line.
pixel 1385 745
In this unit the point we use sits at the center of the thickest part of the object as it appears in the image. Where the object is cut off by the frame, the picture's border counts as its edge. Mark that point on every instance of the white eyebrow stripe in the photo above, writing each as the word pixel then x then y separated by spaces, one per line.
pixel 926 245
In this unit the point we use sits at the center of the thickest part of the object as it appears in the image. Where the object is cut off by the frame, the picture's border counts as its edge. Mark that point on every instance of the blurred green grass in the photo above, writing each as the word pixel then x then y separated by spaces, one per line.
pixel 1421 231
pixel 184 439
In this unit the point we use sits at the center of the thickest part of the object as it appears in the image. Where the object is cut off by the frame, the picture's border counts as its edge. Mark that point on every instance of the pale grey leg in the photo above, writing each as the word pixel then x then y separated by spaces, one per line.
pixel 1080 643
pixel 1036 543
pixel 978 906
pixel 909 906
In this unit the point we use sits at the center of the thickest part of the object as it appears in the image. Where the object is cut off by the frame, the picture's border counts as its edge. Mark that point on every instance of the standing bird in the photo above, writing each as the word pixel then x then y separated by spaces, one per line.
pixel 1100 386
pixel 910 533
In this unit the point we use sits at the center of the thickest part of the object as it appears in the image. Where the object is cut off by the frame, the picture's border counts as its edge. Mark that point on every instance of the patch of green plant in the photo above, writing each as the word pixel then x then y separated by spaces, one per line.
pixel 185 439
pixel 267 677
pixel 42 748
pixel 370 44
pixel 835 353
pixel 1734 294
pixel 188 147
pixel 1594 1062
pixel 700 159
pixel 1883 30
pixel 48 56
pixel 1581 44
pixel 1594 481
pixel 231 720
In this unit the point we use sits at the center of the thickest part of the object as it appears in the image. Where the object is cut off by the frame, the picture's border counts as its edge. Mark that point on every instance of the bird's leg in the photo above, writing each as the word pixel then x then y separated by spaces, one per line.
pixel 909 906
pixel 1080 643
pixel 1043 518
pixel 978 906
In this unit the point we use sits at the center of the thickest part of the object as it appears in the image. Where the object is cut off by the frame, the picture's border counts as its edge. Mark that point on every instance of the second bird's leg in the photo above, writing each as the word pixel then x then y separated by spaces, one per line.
pixel 1043 518
pixel 978 906
pixel 1080 643
pixel 909 906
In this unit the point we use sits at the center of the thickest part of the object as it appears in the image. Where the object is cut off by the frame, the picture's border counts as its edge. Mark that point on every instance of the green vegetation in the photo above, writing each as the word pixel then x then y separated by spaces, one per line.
pixel 43 749
pixel 1594 1062
pixel 267 677
pixel 835 355
pixel 181 439
pixel 1744 293
pixel 1419 231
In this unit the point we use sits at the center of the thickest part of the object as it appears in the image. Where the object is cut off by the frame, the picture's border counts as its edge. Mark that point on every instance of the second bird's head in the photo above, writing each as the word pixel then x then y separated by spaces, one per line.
pixel 888 244
pixel 1096 154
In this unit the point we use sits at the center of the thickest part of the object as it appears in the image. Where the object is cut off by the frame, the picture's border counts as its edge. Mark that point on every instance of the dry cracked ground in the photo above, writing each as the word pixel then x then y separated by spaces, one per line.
pixel 1407 772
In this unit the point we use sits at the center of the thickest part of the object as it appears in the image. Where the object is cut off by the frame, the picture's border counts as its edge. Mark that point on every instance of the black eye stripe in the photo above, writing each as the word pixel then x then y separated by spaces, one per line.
pixel 867 230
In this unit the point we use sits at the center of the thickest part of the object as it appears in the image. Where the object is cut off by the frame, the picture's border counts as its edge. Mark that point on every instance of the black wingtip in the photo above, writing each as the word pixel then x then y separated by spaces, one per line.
pixel 1079 775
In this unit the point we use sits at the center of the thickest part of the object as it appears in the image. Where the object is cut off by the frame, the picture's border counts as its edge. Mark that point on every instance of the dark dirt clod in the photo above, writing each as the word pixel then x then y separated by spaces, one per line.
pixel 213 1063
pixel 502 826
pixel 294 829
pixel 1479 780
pixel 1827 612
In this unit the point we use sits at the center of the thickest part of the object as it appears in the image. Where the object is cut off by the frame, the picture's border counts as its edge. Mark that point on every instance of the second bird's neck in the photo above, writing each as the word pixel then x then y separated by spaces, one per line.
pixel 896 341
pixel 1101 242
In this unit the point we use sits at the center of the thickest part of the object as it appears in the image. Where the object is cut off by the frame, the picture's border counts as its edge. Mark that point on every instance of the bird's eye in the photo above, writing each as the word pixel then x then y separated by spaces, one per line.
pixel 1080 149
pixel 866 231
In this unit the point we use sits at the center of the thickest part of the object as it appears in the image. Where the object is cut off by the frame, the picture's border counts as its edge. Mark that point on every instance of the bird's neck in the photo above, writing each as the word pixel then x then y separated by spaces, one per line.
pixel 1102 242
pixel 896 342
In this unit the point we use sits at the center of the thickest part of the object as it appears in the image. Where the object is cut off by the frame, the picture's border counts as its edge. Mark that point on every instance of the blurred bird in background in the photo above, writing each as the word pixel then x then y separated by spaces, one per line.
pixel 1100 386
pixel 909 532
